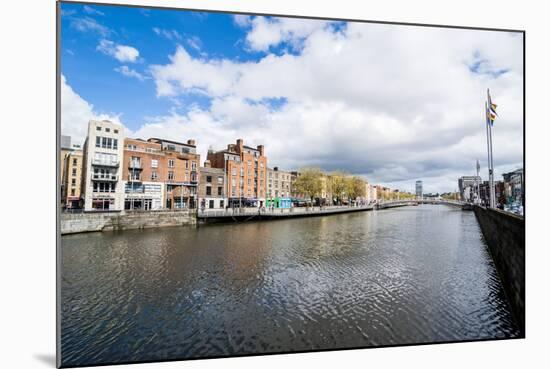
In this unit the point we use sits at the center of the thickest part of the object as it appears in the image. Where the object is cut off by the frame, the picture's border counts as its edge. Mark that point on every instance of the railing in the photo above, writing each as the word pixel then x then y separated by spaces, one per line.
pixel 105 177
pixel 135 165
pixel 105 163
pixel 276 212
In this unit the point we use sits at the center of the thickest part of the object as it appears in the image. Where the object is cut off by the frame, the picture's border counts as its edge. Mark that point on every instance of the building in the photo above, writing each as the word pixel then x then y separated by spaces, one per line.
pixel 245 168
pixel 468 187
pixel 179 172
pixel 102 173
pixel 70 172
pixel 418 188
pixel 144 171
pixel 212 187
pixel 514 186
pixel 484 194
pixel 278 183
pixel 72 180
pixel 372 193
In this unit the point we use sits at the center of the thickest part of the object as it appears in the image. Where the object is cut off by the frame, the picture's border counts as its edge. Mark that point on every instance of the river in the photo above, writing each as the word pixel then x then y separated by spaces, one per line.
pixel 397 276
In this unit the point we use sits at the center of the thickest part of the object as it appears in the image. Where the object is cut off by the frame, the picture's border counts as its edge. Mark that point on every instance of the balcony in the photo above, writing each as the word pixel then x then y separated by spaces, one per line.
pixel 135 165
pixel 105 163
pixel 105 177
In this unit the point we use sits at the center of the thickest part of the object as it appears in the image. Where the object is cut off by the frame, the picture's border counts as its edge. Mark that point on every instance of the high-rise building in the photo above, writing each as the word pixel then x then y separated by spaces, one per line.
pixel 102 174
pixel 245 168
pixel 418 189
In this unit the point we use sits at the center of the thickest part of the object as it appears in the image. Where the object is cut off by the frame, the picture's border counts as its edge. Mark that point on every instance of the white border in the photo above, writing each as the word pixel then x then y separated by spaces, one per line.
pixel 28 148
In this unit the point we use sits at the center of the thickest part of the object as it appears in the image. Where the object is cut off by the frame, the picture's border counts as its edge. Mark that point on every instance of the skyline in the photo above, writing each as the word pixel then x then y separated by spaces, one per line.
pixel 303 88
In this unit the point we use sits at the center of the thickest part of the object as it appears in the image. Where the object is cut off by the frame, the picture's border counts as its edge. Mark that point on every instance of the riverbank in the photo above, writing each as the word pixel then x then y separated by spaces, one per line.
pixel 109 221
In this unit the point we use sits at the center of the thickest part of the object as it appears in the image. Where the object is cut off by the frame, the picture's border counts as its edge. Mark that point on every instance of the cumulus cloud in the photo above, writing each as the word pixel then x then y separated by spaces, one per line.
pixel 392 103
pixel 122 53
pixel 76 112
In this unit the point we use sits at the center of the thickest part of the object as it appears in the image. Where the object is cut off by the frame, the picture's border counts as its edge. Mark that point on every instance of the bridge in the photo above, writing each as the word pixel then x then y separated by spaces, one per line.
pixel 245 214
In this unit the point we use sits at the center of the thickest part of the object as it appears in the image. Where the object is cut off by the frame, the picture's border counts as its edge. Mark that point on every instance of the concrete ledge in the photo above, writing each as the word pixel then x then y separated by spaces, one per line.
pixel 93 222
pixel 504 234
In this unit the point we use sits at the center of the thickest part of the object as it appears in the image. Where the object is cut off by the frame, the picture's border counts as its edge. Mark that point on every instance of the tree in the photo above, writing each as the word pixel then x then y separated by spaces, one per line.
pixel 337 184
pixel 355 187
pixel 309 182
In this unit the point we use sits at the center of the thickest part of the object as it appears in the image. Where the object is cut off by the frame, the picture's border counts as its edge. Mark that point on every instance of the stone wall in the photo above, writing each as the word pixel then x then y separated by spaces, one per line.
pixel 505 237
pixel 91 222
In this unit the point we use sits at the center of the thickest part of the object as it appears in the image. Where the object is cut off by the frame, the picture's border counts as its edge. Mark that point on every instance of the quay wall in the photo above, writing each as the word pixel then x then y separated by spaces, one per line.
pixel 107 221
pixel 504 234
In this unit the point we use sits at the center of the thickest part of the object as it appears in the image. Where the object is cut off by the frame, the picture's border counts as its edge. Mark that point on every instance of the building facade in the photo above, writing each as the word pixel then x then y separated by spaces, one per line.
pixel 72 180
pixel 245 169
pixel 278 183
pixel 418 189
pixel 102 188
pixel 212 187
pixel 468 188
pixel 144 170
pixel 513 186
pixel 180 173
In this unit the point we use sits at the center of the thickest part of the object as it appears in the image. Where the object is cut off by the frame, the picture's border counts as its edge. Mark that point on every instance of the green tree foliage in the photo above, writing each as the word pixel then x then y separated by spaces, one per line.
pixel 337 185
pixel 309 182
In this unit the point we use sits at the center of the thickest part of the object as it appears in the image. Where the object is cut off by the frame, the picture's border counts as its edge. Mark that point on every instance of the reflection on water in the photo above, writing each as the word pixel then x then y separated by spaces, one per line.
pixel 401 276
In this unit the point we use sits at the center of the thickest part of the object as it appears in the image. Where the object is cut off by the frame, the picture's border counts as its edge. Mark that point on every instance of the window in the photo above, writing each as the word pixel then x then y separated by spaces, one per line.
pixel 115 143
pixel 185 150
pixel 115 130
pixel 187 164
pixel 171 163
pixel 208 191
pixel 107 129
pixel 73 181
pixel 209 179
pixel 219 191
pixel 233 191
pixel 170 176
pixel 98 128
pixel 154 176
pixel 193 165
pixel 73 192
pixel 98 141
pixel 154 163
pixel 74 172
pixel 220 180
pixel 221 204
pixel 75 161
pixel 233 172
pixel 211 204
pixel 249 181
pixel 171 147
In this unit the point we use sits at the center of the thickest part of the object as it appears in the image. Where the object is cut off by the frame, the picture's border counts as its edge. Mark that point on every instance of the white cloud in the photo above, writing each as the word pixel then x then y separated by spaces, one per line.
pixel 122 53
pixel 242 20
pixel 76 112
pixel 92 10
pixel 170 34
pixel 267 32
pixel 394 103
pixel 128 72
pixel 194 42
pixel 87 24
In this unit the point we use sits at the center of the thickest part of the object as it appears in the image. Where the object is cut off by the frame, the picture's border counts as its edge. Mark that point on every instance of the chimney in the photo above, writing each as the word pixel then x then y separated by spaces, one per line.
pixel 191 142
pixel 240 144
pixel 207 163
pixel 261 150
pixel 276 169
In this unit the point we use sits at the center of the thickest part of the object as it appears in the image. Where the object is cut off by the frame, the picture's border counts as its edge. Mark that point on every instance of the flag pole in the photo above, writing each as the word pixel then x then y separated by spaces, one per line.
pixel 488 152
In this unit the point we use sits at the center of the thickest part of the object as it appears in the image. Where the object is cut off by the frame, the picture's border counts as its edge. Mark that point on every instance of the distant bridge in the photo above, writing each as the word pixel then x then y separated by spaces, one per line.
pixel 245 214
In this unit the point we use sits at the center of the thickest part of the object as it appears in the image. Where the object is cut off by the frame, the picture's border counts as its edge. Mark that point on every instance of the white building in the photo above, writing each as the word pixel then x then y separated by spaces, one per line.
pixel 102 188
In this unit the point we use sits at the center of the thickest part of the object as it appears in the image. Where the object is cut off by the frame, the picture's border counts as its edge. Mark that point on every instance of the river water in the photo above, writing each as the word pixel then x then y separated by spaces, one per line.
pixel 397 276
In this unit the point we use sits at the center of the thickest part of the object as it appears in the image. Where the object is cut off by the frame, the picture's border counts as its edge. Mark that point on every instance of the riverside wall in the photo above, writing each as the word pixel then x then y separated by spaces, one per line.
pixel 504 234
pixel 109 221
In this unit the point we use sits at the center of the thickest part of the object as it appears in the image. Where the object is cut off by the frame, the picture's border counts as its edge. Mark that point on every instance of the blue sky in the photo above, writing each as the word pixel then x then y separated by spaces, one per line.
pixel 390 103
pixel 93 74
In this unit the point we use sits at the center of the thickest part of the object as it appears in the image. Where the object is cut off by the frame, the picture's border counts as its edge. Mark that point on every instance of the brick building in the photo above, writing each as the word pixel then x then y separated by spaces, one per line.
pixel 245 168
pixel 179 171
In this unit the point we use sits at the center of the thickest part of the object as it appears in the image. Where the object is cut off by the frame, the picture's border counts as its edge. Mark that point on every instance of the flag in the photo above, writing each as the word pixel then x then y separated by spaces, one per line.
pixel 492 111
